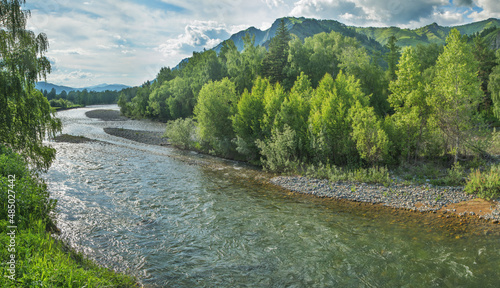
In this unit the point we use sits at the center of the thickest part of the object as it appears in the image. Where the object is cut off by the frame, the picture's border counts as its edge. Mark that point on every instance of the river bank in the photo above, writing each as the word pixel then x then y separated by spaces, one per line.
pixel 419 198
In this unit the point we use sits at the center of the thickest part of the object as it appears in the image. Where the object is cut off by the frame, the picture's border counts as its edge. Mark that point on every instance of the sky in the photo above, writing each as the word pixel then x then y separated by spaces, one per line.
pixel 128 41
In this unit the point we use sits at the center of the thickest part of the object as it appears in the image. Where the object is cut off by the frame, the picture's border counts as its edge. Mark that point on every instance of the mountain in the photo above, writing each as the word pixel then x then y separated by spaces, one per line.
pixel 372 38
pixel 48 86
pixel 104 87
pixel 302 28
pixel 97 88
pixel 432 33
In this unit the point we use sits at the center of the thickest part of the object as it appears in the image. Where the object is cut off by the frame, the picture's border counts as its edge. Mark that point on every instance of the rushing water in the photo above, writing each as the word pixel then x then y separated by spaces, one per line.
pixel 137 208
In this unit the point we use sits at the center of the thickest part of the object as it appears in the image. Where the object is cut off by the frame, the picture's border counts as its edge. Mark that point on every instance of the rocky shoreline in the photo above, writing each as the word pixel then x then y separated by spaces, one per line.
pixel 141 136
pixel 426 198
pixel 106 115
pixel 423 198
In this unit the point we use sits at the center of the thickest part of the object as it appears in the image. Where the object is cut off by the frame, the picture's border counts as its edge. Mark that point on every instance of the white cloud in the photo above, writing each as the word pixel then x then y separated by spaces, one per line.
pixel 368 12
pixel 197 36
pixel 491 9
pixel 273 3
pixel 129 41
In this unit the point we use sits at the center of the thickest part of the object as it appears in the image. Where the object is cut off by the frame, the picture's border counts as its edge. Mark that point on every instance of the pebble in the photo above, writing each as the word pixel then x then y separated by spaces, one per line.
pixel 429 199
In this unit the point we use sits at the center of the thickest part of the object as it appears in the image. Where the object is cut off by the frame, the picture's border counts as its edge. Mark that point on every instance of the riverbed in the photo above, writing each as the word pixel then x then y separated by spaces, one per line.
pixel 154 212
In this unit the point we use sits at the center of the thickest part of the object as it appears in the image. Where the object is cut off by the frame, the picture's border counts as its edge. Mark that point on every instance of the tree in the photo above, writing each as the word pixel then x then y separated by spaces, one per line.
pixel 247 121
pixel 294 114
pixel 371 140
pixel 456 92
pixel 276 60
pixel 408 99
pixel 243 68
pixel 157 103
pixel 273 98
pixel 330 121
pixel 494 86
pixel 215 108
pixel 52 94
pixel 25 114
pixel 392 56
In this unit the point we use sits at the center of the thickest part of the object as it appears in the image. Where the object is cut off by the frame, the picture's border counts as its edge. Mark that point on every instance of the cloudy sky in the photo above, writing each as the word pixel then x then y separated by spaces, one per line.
pixel 128 41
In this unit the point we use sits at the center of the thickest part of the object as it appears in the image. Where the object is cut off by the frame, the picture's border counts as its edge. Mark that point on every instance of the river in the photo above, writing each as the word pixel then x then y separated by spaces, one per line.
pixel 139 209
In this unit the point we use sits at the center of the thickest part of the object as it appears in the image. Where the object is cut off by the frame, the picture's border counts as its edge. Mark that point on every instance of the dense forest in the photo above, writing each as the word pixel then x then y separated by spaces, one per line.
pixel 84 97
pixel 328 100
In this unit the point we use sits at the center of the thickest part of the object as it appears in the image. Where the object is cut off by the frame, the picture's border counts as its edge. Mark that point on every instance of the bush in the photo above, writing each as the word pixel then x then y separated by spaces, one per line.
pixel 455 177
pixel 371 175
pixel 32 197
pixel 11 164
pixel 335 174
pixel 484 184
pixel 280 151
pixel 181 133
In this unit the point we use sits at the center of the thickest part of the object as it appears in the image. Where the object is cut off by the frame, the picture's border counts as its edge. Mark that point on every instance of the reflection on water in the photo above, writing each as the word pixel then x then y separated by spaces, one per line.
pixel 136 208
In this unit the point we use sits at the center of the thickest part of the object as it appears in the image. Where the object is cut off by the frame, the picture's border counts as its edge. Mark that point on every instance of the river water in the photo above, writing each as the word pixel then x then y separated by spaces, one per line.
pixel 138 208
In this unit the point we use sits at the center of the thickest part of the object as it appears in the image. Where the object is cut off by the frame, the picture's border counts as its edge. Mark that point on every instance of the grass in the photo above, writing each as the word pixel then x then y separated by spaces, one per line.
pixel 494 148
pixel 373 175
pixel 485 184
pixel 40 260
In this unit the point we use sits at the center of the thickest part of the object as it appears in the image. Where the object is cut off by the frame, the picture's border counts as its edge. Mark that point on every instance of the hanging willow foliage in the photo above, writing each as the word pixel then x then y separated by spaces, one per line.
pixel 25 115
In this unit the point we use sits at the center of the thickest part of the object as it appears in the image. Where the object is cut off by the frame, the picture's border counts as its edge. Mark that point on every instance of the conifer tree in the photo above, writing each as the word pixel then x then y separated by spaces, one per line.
pixel 276 59
pixel 392 57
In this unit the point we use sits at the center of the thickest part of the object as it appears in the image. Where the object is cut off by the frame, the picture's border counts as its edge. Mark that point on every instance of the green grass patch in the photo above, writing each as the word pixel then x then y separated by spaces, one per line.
pixel 484 184
pixel 40 260
pixel 372 175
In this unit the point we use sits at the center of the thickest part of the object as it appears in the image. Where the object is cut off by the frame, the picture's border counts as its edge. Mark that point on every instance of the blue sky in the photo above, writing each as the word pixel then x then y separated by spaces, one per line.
pixel 128 41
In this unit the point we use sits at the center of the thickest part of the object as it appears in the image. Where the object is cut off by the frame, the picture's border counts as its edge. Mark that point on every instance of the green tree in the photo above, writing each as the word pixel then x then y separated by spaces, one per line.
pixel 273 98
pixel 276 60
pixel 157 102
pixel 456 93
pixel 330 121
pixel 371 140
pixel 243 68
pixel 25 114
pixel 247 121
pixel 182 100
pixel 294 114
pixel 494 87
pixel 392 56
pixel 52 94
pixel 427 55
pixel 408 99
pixel 355 61
pixel 215 108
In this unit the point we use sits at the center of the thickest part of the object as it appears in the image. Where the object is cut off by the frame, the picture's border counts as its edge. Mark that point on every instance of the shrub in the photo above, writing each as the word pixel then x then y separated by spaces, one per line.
pixel 32 196
pixel 455 177
pixel 181 133
pixel 484 184
pixel 280 151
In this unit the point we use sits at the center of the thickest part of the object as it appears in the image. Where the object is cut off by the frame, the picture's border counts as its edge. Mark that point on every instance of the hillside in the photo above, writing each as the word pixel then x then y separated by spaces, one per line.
pixel 302 28
pixel 432 33
pixel 372 38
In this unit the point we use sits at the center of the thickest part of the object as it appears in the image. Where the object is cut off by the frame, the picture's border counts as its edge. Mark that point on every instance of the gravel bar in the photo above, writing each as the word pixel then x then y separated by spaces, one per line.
pixel 425 198
pixel 141 136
